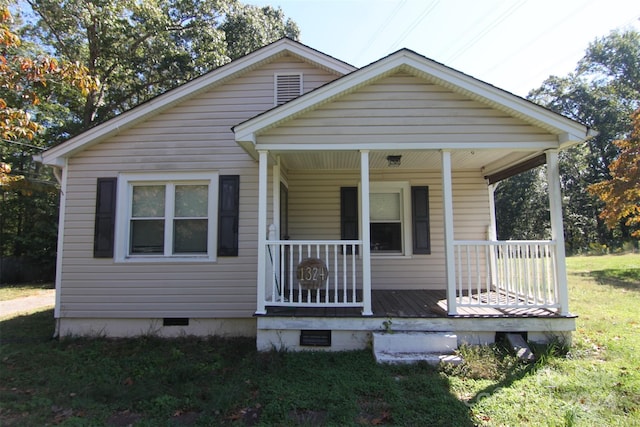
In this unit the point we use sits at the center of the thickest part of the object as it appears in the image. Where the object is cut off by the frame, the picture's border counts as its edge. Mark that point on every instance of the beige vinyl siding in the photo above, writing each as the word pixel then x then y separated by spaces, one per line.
pixel 192 136
pixel 404 108
pixel 314 213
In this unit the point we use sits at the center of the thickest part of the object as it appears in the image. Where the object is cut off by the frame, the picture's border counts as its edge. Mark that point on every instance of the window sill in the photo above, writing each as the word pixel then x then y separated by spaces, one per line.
pixel 390 256
pixel 167 259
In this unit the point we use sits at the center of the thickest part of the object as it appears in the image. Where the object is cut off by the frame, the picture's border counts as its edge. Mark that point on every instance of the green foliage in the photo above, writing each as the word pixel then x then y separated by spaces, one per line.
pixel 140 49
pixel 594 382
pixel 526 192
pixel 485 363
pixel 152 381
pixel 248 28
pixel 601 93
pixel 621 194
pixel 28 207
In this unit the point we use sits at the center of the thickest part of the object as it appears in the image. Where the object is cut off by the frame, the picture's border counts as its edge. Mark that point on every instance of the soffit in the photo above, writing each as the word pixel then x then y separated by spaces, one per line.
pixel 483 160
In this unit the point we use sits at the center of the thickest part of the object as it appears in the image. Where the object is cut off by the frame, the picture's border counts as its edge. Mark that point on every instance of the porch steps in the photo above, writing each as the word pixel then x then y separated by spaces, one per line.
pixel 411 347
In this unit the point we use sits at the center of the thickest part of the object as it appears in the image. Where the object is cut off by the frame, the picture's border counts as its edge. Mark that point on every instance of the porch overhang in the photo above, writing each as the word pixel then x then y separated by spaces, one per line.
pixel 523 166
pixel 561 132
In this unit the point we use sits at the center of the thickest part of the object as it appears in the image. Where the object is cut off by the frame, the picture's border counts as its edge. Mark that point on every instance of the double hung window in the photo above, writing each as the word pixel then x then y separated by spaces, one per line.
pixel 389 218
pixel 398 218
pixel 167 216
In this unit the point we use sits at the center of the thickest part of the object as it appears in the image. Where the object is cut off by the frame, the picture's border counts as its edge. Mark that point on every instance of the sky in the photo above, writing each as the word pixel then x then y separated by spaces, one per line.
pixel 511 44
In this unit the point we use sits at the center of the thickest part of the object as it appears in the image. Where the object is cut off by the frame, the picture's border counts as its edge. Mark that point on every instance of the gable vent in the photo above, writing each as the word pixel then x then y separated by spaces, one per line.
pixel 288 87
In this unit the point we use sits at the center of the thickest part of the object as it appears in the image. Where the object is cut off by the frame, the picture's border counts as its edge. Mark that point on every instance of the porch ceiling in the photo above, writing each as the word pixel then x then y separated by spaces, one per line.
pixel 489 161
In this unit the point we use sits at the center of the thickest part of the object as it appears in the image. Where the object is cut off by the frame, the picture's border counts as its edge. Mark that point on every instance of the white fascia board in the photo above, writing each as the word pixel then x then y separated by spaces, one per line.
pixel 181 93
pixel 408 146
pixel 250 148
pixel 311 55
pixel 567 140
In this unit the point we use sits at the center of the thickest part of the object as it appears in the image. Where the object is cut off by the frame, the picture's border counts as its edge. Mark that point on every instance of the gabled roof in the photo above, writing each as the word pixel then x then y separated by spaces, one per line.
pixel 55 156
pixel 569 131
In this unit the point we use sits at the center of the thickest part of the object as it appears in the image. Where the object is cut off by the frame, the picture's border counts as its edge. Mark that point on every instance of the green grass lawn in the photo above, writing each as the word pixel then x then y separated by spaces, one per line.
pixel 182 382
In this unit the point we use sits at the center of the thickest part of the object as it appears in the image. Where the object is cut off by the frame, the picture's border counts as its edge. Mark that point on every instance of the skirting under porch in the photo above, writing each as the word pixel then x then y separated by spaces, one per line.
pixel 406 310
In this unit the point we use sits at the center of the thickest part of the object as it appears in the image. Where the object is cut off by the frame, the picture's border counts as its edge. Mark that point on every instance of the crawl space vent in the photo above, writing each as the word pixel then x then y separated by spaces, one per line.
pixel 315 338
pixel 175 321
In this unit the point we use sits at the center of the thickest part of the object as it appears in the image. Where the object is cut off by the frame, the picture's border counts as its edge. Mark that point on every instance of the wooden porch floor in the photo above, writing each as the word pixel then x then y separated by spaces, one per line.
pixel 409 304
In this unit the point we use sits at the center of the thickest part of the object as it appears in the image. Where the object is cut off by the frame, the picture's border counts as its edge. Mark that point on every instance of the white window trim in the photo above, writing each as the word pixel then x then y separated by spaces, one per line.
pixel 404 188
pixel 126 181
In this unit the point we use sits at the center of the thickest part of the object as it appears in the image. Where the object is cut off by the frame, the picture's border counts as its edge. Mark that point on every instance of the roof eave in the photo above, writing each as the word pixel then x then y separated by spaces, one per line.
pixel 54 155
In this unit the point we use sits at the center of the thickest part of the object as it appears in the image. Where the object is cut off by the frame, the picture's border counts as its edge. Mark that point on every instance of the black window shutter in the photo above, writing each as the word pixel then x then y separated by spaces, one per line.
pixel 420 219
pixel 228 214
pixel 105 218
pixel 349 213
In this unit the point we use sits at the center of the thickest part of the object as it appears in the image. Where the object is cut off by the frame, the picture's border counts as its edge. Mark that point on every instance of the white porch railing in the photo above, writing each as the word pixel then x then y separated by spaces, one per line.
pixel 344 267
pixel 506 274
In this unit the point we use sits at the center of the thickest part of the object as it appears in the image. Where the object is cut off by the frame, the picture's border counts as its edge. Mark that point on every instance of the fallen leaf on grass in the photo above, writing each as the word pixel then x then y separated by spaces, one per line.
pixel 384 418
pixel 61 414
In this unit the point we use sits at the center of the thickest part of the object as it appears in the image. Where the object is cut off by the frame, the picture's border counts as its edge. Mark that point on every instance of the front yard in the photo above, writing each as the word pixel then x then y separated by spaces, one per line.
pixel 150 382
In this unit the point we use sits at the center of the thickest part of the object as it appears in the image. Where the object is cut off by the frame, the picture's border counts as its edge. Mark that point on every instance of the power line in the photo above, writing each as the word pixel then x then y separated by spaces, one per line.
pixel 381 29
pixel 415 23
pixel 510 11
pixel 22 143
pixel 535 38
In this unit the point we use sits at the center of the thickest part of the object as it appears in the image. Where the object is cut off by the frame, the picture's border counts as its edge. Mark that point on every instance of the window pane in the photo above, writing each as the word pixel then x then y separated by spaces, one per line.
pixel 190 236
pixel 191 200
pixel 386 237
pixel 147 236
pixel 384 206
pixel 148 201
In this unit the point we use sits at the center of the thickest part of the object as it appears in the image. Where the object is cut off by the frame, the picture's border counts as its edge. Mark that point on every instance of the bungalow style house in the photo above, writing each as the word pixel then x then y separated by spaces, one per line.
pixel 295 198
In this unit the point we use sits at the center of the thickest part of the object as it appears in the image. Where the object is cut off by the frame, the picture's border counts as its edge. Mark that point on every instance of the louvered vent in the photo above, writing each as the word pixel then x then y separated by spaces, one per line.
pixel 288 87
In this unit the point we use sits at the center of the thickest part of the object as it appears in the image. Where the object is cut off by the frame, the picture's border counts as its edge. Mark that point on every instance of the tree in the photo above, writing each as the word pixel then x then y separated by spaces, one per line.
pixel 20 79
pixel 142 48
pixel 621 193
pixel 524 193
pixel 27 223
pixel 601 93
pixel 247 28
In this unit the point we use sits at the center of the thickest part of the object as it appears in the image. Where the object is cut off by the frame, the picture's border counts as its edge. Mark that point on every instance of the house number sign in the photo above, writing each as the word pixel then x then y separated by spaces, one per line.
pixel 312 273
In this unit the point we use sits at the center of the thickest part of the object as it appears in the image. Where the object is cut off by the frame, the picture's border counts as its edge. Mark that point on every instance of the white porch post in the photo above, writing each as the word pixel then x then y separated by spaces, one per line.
pixel 275 270
pixel 447 198
pixel 493 224
pixel 276 196
pixel 366 233
pixel 493 232
pixel 262 230
pixel 557 230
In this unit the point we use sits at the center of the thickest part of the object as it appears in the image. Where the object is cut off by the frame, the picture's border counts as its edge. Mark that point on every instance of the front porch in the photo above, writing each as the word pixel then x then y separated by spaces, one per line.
pixel 386 179
pixel 423 304
pixel 405 311
pixel 490 278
